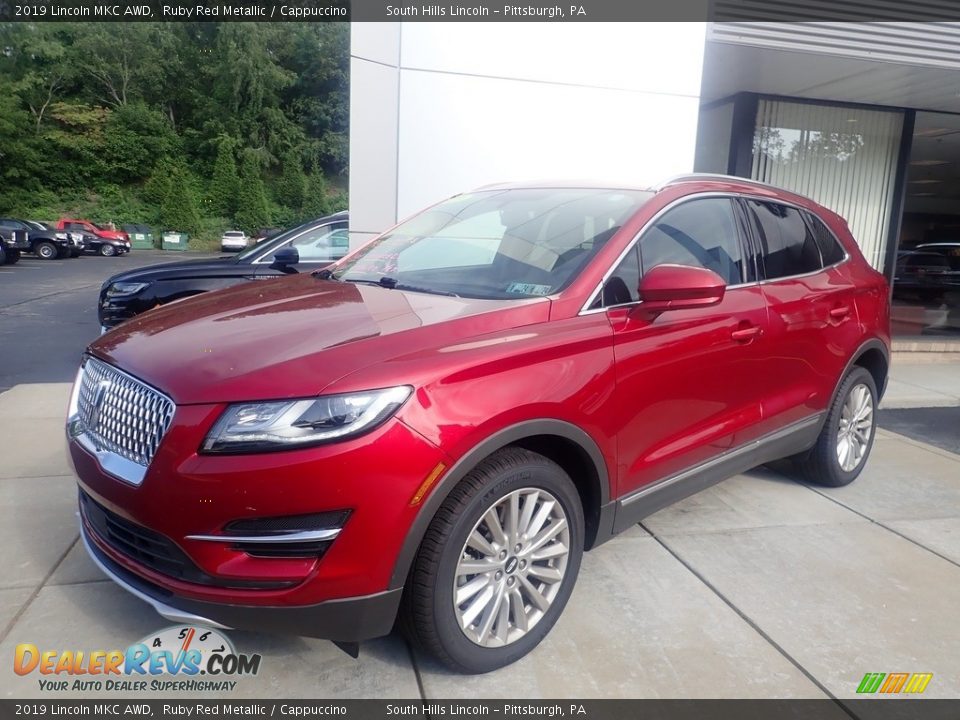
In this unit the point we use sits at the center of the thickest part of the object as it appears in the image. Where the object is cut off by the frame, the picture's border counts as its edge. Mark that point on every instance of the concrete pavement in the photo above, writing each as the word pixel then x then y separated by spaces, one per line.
pixel 916 384
pixel 758 587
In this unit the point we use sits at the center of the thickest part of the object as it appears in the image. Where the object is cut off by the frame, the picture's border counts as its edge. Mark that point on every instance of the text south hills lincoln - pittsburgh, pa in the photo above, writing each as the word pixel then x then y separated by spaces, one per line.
pixel 555 12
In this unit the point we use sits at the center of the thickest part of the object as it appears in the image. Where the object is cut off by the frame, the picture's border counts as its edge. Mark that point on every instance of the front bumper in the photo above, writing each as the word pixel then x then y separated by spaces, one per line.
pixel 347 620
pixel 185 498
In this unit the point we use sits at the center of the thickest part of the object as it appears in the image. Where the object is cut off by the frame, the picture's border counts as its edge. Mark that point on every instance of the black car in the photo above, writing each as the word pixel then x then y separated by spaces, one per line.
pixel 97 244
pixel 930 272
pixel 11 245
pixel 77 245
pixel 311 246
pixel 44 243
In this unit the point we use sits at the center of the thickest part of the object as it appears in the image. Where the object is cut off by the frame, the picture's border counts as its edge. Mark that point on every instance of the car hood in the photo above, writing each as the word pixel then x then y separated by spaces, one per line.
pixel 111 235
pixel 292 337
pixel 183 269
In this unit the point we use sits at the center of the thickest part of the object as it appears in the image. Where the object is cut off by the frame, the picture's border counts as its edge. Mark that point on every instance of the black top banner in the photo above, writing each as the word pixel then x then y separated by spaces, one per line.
pixel 479 10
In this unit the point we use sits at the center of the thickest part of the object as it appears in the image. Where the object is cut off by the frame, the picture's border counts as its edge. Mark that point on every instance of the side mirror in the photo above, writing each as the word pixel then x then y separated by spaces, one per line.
pixel 285 257
pixel 680 287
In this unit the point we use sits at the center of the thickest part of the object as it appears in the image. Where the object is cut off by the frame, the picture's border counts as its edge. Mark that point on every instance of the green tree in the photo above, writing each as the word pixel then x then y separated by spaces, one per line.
pixel 290 189
pixel 252 213
pixel 316 202
pixel 179 208
pixel 225 184
pixel 96 118
pixel 135 138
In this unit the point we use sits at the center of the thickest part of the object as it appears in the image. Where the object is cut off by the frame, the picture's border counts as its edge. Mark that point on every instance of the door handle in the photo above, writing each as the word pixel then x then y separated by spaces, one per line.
pixel 745 334
pixel 840 313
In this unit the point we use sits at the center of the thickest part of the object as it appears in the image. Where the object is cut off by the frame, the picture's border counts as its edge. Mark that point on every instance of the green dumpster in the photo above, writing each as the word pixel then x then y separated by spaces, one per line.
pixel 141 236
pixel 141 241
pixel 174 241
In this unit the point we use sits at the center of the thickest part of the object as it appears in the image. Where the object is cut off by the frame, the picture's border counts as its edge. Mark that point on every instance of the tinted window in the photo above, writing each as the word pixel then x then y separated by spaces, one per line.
pixel 323 244
pixel 788 245
pixel 830 249
pixel 701 233
pixel 951 254
pixel 622 285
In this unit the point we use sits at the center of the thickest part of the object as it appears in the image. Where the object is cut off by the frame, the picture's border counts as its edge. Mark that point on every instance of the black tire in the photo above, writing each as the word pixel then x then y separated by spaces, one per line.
pixel 13 257
pixel 76 252
pixel 3 254
pixel 107 250
pixel 63 252
pixel 46 250
pixel 428 615
pixel 821 465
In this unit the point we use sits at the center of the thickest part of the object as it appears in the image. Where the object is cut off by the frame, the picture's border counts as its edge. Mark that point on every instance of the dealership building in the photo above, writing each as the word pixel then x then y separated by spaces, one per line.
pixel 863 117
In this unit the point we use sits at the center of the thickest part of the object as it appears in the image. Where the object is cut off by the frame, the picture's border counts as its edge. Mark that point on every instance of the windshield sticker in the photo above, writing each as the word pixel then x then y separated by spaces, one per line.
pixel 528 289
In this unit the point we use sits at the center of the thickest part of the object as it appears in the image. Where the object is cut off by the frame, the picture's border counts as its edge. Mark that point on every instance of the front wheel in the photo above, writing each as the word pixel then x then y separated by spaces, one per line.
pixel 46 251
pixel 845 442
pixel 497 564
pixel 107 250
pixel 13 257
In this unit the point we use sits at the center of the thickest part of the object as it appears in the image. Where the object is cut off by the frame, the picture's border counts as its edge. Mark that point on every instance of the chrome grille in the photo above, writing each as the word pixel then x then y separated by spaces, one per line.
pixel 121 414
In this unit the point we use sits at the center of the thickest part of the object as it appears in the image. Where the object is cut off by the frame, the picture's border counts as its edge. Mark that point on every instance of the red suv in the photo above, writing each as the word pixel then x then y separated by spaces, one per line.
pixel 438 425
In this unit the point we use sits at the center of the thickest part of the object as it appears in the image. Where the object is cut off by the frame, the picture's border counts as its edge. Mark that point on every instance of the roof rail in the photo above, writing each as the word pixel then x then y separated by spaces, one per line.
pixel 714 176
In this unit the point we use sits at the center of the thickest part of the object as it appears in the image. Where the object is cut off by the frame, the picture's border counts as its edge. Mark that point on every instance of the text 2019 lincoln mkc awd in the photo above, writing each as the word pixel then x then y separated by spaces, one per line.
pixel 433 429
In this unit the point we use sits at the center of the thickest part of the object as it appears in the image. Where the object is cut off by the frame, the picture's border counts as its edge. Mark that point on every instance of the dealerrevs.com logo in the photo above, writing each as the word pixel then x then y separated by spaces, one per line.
pixel 178 658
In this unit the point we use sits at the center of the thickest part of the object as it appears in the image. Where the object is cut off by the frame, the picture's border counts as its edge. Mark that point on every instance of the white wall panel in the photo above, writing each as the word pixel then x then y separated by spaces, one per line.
pixel 655 57
pixel 373 145
pixel 377 41
pixel 459 132
pixel 488 102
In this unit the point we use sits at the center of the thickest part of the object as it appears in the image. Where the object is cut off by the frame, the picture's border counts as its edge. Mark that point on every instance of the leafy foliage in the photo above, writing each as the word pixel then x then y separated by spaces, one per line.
pixel 252 213
pixel 145 122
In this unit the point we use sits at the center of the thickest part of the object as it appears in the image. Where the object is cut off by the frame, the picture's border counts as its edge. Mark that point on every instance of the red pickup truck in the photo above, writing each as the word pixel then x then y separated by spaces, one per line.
pixel 97 238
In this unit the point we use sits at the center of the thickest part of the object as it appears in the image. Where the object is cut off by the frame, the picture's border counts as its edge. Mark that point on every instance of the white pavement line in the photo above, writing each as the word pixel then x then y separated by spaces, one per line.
pixel 36 591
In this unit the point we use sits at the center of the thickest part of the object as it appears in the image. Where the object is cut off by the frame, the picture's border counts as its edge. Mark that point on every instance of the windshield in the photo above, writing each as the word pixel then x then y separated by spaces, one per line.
pixel 496 244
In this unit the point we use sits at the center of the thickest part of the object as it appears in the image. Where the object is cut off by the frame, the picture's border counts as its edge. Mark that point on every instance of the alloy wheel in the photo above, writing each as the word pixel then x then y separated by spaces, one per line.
pixel 855 428
pixel 511 567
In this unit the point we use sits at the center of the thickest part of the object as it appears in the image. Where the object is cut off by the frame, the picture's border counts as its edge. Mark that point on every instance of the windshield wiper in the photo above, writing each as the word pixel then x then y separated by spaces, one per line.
pixel 391 284
pixel 417 288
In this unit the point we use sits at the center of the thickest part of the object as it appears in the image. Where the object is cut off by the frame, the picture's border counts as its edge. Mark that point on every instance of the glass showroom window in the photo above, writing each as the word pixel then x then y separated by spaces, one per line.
pixel 844 158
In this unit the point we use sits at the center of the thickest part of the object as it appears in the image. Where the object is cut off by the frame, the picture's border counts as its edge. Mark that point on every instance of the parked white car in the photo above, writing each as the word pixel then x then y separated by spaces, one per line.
pixel 234 240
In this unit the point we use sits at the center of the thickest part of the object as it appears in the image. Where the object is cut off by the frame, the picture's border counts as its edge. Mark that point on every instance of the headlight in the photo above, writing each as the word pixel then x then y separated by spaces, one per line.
pixel 118 289
pixel 267 426
pixel 61 236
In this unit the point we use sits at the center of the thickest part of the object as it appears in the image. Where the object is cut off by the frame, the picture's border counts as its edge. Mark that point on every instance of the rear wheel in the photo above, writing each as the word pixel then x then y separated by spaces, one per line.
pixel 845 442
pixel 107 250
pixel 497 564
pixel 46 250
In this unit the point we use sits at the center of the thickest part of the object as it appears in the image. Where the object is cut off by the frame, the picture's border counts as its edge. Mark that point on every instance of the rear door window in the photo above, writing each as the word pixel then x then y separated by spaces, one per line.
pixel 787 243
pixel 831 250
